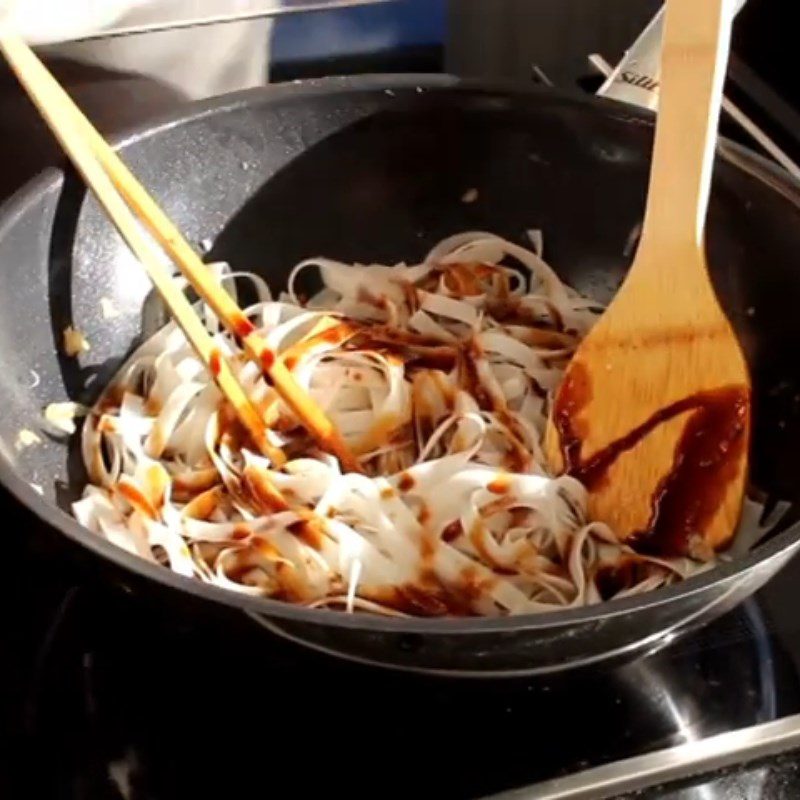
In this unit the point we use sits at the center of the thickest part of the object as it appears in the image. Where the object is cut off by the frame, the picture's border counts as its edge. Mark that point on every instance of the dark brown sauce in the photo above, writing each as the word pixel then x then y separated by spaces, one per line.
pixel 573 396
pixel 421 409
pixel 394 336
pixel 239 572
pixel 242 327
pixel 452 531
pixel 414 350
pixel 445 389
pixel 137 499
pixel 511 311
pixel 430 358
pixel 424 516
pixel 265 548
pixel 263 491
pixel 112 399
pixel 473 586
pixel 476 536
pixel 309 532
pixel 204 505
pixel 335 334
pixel 460 279
pixel 501 284
pixel 107 425
pixel 429 597
pixel 267 359
pixel 292 587
pixel 153 406
pixel 465 278
pixel 423 601
pixel 441 357
pixel 517 457
pixel 611 579
pixel 706 459
pixel 427 550
pixel 410 295
pixel 240 533
pixel 537 388
pixel 215 363
pixel 545 338
pixel 470 381
pixel 406 483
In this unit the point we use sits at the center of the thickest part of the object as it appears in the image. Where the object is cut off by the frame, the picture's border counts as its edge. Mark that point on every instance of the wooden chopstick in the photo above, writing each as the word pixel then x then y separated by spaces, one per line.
pixel 38 81
pixel 77 148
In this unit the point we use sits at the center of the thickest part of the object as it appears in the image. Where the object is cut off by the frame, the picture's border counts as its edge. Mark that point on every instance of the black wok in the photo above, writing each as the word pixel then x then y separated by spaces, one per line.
pixel 374 169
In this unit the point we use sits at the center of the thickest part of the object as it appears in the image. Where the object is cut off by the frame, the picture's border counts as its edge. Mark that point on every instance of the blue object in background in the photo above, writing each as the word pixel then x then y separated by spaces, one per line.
pixel 361 30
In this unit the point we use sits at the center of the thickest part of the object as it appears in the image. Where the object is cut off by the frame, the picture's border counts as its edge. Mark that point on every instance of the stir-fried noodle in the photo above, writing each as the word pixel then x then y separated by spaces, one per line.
pixel 438 376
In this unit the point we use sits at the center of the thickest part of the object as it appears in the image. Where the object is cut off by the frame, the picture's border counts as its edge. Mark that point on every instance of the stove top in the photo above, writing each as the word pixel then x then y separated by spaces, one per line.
pixel 105 696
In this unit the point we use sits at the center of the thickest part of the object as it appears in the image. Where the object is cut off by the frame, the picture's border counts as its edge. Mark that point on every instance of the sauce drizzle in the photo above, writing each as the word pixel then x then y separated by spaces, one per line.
pixel 267 359
pixel 406 483
pixel 242 327
pixel 706 460
pixel 215 363
pixel 309 532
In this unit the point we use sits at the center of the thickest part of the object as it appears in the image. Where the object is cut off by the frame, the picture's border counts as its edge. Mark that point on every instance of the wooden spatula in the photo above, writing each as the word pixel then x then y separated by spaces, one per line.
pixel 654 412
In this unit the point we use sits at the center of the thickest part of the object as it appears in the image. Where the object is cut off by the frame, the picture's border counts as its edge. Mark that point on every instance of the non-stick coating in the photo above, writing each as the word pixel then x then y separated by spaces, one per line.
pixel 374 169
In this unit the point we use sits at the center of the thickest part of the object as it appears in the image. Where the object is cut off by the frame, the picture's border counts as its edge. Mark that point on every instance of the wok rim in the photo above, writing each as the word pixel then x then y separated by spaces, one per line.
pixel 51 180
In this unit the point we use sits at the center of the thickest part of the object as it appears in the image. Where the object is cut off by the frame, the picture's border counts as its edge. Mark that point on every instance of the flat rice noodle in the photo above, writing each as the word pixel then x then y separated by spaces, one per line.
pixel 438 517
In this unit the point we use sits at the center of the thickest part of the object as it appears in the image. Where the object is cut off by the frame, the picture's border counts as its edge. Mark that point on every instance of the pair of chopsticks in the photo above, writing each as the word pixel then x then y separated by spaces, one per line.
pixel 131 209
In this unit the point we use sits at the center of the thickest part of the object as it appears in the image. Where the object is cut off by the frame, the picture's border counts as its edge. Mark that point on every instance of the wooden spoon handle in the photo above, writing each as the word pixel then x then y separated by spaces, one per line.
pixel 696 45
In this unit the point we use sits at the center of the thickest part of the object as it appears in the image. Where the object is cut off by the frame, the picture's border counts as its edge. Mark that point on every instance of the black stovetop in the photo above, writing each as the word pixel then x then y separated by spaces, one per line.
pixel 106 696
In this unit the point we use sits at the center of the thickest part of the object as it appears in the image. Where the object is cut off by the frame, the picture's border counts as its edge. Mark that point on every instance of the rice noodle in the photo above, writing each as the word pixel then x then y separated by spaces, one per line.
pixel 438 375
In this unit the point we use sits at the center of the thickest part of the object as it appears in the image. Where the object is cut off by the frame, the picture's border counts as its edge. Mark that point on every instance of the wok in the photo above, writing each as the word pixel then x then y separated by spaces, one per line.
pixel 374 168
